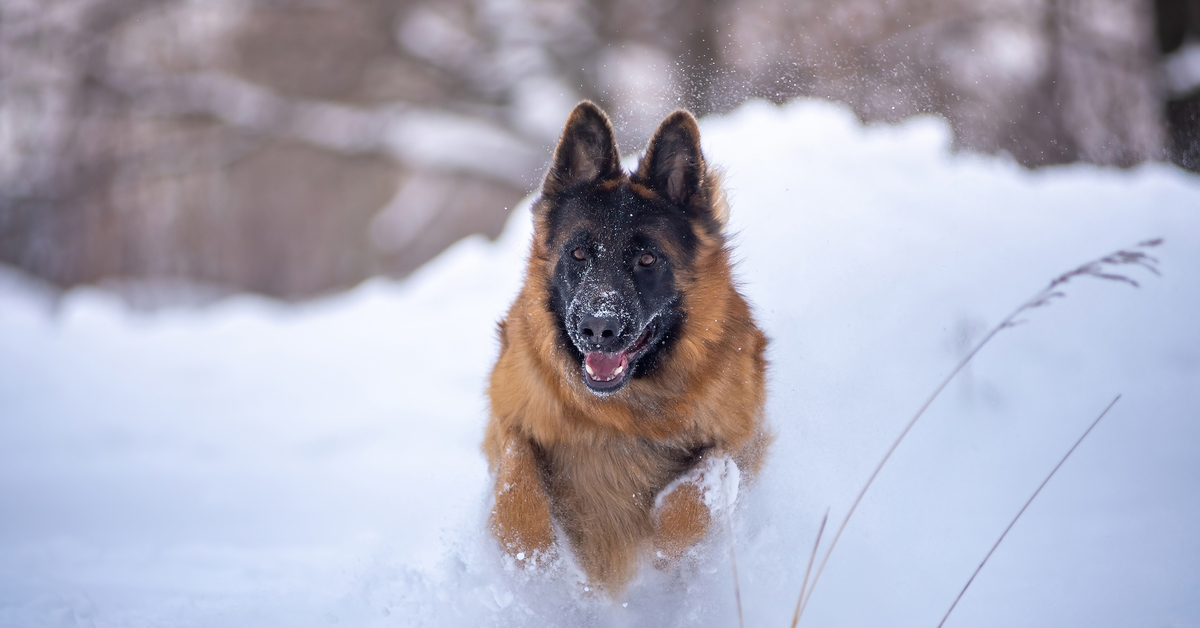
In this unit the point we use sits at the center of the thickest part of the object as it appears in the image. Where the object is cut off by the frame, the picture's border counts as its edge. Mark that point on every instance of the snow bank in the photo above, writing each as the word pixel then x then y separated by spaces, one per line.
pixel 251 464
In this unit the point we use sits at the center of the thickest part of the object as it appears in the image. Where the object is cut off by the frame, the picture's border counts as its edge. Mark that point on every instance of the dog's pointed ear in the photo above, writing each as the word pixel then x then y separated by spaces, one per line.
pixel 586 153
pixel 673 164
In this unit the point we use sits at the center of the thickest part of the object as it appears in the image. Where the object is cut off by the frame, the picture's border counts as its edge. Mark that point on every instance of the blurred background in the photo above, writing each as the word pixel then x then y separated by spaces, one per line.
pixel 182 150
pixel 290 460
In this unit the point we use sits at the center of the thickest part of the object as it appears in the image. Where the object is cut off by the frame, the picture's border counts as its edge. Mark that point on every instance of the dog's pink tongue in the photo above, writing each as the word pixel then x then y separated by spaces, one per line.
pixel 604 367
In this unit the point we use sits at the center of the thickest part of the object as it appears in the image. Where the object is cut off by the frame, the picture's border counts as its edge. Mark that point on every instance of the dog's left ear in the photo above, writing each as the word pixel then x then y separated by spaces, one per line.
pixel 673 164
pixel 586 153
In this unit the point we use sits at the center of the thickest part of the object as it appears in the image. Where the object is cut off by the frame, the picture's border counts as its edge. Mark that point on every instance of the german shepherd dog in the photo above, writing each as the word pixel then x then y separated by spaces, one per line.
pixel 631 372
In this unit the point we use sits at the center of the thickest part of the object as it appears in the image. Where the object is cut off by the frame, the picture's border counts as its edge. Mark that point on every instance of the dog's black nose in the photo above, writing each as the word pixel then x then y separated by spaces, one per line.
pixel 601 333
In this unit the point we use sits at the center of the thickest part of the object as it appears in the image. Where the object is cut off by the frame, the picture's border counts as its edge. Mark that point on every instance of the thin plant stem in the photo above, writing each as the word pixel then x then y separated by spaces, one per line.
pixel 808 570
pixel 1022 511
pixel 737 591
pixel 1097 268
pixel 896 443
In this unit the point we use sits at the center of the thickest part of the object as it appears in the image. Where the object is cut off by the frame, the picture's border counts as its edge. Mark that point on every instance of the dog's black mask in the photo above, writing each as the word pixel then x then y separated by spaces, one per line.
pixel 620 244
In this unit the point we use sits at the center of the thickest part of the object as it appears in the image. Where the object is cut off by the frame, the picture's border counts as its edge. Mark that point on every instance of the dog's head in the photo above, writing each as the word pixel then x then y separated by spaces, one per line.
pixel 620 247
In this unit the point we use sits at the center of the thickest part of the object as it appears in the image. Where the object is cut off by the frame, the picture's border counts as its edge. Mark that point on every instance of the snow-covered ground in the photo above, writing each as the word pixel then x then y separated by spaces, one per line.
pixel 253 464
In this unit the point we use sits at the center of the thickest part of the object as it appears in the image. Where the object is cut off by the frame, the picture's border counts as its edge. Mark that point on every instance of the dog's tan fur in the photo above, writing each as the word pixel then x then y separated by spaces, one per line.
pixel 596 466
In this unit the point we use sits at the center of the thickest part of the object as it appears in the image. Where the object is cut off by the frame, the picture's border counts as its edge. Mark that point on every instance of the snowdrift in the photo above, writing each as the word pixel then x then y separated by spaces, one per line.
pixel 251 464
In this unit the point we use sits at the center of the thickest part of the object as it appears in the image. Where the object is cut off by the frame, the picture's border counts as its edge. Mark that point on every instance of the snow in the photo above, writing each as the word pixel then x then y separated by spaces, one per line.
pixel 1182 69
pixel 254 464
pixel 717 478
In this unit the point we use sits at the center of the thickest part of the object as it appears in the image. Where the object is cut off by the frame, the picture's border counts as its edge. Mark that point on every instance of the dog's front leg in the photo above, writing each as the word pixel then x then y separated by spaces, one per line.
pixel 520 518
pixel 680 521
pixel 688 506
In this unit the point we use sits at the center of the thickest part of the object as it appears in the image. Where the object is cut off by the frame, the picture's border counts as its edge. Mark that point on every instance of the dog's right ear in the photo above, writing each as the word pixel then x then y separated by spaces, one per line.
pixel 586 152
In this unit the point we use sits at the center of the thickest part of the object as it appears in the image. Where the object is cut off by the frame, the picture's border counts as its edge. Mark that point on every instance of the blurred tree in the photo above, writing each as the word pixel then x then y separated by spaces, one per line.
pixel 296 147
pixel 1178 23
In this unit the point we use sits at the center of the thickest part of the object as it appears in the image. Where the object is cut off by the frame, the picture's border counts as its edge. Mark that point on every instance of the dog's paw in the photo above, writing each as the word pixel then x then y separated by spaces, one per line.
pixel 685 509
pixel 715 479
pixel 521 523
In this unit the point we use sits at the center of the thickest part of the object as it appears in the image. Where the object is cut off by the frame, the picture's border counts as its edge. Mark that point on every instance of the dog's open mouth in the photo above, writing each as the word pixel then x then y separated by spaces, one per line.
pixel 609 371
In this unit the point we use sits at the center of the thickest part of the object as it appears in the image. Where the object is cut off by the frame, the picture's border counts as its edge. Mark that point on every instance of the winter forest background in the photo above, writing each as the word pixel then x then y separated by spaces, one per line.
pixel 252 254
pixel 184 149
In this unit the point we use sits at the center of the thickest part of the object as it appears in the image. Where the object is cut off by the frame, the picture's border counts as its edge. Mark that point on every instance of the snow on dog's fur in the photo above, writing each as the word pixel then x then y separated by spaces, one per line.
pixel 630 367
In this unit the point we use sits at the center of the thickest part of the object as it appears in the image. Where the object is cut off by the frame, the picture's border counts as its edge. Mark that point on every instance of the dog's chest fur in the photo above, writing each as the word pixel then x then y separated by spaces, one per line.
pixel 603 491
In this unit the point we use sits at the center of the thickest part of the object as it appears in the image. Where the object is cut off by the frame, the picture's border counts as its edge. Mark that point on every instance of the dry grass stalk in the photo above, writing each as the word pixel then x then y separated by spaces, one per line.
pixel 1102 268
pixel 1022 511
pixel 737 590
pixel 808 570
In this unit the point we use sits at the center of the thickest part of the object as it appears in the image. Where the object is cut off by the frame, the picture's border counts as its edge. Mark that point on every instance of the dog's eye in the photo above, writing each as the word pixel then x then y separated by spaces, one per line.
pixel 579 254
pixel 646 259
